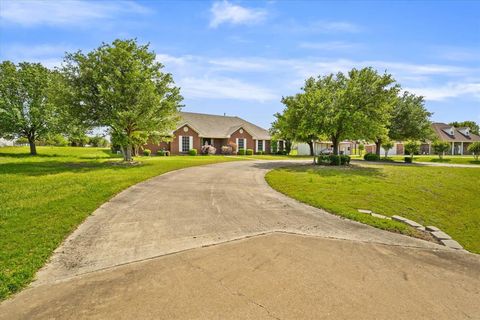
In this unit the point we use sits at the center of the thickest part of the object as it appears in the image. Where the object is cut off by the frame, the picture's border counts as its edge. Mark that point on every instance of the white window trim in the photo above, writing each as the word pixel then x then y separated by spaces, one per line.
pixel 190 142
pixel 180 144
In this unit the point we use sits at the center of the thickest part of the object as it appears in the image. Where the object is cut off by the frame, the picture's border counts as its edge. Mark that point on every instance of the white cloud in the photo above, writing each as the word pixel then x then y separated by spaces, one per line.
pixel 267 79
pixel 224 88
pixel 68 12
pixel 451 90
pixel 225 12
pixel 328 46
pixel 335 26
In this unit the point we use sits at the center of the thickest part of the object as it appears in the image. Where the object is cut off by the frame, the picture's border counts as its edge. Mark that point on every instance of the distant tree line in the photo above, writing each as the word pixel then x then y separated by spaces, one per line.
pixel 119 86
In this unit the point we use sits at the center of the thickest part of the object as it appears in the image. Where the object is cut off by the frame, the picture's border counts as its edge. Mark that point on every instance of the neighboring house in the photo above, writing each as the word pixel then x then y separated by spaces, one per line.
pixel 325 147
pixel 458 138
pixel 197 129
pixel 5 142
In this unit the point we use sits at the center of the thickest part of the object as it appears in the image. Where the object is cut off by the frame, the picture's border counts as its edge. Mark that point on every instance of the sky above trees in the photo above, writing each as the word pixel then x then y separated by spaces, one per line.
pixel 241 57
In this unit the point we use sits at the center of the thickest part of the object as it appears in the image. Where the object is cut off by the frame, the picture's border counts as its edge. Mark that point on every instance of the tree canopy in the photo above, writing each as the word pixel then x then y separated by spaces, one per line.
pixel 410 119
pixel 122 86
pixel 26 102
pixel 355 105
pixel 474 127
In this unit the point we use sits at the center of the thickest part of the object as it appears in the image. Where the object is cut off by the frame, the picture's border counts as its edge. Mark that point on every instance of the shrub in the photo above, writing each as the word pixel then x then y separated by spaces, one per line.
pixel 249 152
pixel 227 150
pixel 412 147
pixel 282 152
pixel 259 152
pixel 208 149
pixel 241 152
pixel 163 153
pixel 408 159
pixel 371 157
pixel 333 160
pixel 233 146
pixel 475 149
pixel 147 152
pixel 192 152
pixel 440 148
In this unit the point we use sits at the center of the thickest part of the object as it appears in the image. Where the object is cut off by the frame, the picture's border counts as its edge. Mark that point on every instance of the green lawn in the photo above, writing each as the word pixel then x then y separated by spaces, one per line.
pixel 433 158
pixel 446 159
pixel 44 198
pixel 277 157
pixel 441 196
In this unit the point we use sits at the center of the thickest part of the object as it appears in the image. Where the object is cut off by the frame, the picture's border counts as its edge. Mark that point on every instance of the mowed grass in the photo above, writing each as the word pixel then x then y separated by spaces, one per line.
pixel 446 159
pixel 446 197
pixel 44 198
pixel 277 157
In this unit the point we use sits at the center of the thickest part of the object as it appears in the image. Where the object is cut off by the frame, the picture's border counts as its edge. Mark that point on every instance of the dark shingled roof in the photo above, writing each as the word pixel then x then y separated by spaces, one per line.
pixel 442 129
pixel 215 126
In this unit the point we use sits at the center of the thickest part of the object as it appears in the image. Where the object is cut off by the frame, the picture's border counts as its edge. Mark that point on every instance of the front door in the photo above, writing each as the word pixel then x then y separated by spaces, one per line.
pixel 206 141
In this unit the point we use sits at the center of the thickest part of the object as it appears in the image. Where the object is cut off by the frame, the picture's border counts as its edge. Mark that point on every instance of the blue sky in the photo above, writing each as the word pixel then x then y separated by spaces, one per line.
pixel 241 57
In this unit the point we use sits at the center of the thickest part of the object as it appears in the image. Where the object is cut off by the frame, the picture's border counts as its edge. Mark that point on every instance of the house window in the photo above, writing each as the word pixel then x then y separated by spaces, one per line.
pixel 260 145
pixel 185 143
pixel 241 144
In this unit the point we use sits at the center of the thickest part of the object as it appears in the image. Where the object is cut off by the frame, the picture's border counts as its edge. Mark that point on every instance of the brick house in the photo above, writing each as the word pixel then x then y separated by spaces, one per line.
pixel 458 138
pixel 197 129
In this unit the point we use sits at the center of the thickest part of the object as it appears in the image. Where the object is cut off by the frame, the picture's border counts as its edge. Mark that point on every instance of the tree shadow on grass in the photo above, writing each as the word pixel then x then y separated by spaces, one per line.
pixel 28 155
pixel 330 171
pixel 56 167
pixel 441 160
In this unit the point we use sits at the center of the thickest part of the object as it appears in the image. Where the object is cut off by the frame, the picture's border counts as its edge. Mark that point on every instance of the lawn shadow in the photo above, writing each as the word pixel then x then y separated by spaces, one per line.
pixel 330 171
pixel 441 160
pixel 28 155
pixel 56 167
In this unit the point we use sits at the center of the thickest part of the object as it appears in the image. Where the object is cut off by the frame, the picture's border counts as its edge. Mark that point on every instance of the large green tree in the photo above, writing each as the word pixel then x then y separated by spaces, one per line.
pixel 410 119
pixel 122 86
pixel 356 105
pixel 474 127
pixel 295 122
pixel 27 107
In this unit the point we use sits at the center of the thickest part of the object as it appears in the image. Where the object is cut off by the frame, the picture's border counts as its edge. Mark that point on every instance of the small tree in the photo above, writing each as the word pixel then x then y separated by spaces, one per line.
pixel 440 147
pixel 412 147
pixel 475 149
pixel 26 102
pixel 387 146
pixel 361 148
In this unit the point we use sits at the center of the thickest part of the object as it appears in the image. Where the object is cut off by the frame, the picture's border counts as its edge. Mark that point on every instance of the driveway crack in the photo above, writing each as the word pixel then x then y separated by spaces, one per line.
pixel 232 292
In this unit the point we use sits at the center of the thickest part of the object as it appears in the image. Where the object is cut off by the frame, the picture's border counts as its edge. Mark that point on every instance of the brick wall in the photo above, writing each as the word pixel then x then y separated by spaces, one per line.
pixel 243 135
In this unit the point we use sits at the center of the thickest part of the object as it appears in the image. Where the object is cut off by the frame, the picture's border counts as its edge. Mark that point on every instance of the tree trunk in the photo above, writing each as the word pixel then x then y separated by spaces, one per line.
pixel 378 146
pixel 33 147
pixel 336 146
pixel 127 155
pixel 310 144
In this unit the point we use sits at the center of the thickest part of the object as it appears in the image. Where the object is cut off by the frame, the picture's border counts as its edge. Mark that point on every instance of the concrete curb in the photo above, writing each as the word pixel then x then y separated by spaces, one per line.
pixel 438 234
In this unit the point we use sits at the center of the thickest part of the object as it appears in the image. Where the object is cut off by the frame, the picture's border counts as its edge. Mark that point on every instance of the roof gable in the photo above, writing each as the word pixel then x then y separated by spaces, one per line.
pixel 215 126
pixel 448 133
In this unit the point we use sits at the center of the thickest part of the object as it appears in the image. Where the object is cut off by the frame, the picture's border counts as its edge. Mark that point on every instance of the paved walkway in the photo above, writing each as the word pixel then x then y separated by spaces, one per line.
pixel 217 242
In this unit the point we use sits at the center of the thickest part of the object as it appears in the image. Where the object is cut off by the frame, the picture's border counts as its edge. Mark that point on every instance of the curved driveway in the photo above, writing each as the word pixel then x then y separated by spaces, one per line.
pixel 194 207
pixel 120 263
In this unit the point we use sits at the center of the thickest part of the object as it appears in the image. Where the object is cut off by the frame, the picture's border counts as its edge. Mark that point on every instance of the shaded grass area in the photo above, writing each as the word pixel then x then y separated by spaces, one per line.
pixel 446 159
pixel 277 157
pixel 45 197
pixel 441 196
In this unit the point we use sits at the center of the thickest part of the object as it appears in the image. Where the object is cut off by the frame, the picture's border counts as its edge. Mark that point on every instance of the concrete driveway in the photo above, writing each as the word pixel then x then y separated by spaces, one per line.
pixel 217 242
